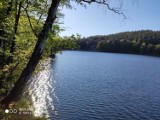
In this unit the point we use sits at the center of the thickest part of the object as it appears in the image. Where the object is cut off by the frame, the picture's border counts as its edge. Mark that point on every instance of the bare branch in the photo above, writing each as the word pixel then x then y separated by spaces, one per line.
pixel 39 18
pixel 103 2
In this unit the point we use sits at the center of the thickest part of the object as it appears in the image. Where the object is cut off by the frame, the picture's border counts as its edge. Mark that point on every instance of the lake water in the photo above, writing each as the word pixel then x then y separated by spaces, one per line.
pixel 99 86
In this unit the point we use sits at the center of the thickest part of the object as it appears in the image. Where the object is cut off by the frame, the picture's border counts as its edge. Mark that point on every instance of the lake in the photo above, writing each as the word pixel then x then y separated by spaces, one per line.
pixel 98 86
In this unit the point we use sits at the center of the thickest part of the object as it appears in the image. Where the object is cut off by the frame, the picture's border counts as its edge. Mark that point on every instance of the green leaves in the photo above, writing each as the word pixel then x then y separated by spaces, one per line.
pixel 137 42
pixel 0 4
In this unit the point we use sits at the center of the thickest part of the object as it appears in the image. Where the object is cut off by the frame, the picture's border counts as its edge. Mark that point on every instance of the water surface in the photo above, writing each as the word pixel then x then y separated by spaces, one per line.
pixel 104 86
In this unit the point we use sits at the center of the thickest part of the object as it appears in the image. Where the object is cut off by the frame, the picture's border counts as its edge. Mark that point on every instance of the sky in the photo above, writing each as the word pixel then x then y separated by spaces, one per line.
pixel 98 20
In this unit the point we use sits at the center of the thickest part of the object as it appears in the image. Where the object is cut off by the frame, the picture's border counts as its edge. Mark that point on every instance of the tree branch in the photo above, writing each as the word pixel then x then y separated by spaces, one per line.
pixel 30 23
pixel 103 2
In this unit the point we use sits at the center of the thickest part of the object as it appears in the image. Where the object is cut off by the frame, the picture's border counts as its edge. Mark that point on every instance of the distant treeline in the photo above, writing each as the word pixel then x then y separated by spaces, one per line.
pixel 137 42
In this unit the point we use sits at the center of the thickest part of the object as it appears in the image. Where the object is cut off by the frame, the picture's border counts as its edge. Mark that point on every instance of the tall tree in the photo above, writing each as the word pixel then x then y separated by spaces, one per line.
pixel 17 17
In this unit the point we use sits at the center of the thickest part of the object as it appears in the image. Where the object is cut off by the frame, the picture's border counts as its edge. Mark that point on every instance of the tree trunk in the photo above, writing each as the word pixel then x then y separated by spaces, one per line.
pixel 20 84
pixel 9 9
pixel 17 16
pixel 2 33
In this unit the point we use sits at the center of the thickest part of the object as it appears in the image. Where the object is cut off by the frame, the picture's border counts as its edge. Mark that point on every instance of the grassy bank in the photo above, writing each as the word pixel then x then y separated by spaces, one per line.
pixel 23 103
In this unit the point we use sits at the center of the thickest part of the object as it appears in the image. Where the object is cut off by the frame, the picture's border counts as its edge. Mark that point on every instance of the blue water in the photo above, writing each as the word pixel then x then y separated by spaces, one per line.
pixel 106 86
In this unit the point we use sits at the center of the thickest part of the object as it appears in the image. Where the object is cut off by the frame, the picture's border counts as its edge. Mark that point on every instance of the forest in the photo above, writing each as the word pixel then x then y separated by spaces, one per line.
pixel 29 33
pixel 25 39
pixel 137 42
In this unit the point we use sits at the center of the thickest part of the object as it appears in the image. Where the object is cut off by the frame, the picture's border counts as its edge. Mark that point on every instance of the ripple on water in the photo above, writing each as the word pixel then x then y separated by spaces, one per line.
pixel 41 87
pixel 119 90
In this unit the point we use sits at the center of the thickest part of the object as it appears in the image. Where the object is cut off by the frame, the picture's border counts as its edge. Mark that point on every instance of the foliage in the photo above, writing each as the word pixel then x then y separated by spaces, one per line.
pixel 138 42
pixel 30 24
pixel 18 37
pixel 57 44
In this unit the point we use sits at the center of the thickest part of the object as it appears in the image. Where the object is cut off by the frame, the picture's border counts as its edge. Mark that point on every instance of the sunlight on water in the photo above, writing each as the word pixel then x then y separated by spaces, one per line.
pixel 97 86
pixel 41 87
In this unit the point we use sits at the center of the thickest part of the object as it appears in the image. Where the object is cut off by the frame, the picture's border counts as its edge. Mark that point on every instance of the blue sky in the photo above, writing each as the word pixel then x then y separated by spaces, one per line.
pixel 97 20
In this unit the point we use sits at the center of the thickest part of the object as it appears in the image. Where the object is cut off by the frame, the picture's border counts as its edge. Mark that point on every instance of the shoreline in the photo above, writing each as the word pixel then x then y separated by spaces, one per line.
pixel 149 55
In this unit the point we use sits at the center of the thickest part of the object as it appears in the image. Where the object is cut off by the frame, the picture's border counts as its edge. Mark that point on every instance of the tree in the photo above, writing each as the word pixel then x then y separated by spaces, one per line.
pixel 18 41
pixel 16 92
pixel 17 17
pixel 137 42
pixel 20 84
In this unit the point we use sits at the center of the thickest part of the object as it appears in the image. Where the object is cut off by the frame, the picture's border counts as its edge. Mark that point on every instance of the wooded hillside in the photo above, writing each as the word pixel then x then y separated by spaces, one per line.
pixel 137 42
